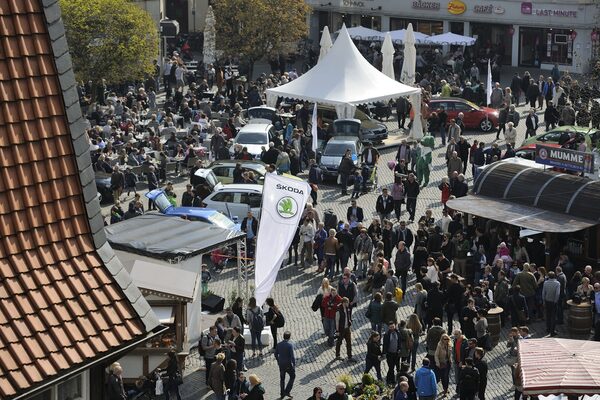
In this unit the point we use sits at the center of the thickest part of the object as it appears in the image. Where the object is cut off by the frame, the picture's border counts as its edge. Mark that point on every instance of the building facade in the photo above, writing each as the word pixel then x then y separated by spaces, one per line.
pixel 190 14
pixel 535 34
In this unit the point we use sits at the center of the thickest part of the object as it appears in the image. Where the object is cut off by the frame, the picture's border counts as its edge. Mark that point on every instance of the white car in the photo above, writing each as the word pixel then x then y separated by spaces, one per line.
pixel 236 200
pixel 254 137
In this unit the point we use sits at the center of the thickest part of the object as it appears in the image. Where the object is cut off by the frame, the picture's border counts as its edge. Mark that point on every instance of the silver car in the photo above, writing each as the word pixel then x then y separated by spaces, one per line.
pixel 335 150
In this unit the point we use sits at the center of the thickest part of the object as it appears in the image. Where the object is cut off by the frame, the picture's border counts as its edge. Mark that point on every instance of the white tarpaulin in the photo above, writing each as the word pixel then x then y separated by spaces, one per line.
pixel 325 43
pixel 343 79
pixel 451 38
pixel 387 51
pixel 283 201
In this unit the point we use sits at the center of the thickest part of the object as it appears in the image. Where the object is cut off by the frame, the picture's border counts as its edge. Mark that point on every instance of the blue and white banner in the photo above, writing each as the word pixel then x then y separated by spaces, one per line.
pixel 282 206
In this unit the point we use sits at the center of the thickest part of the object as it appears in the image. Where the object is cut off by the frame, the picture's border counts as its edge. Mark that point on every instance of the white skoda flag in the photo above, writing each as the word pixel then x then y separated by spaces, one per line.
pixel 282 206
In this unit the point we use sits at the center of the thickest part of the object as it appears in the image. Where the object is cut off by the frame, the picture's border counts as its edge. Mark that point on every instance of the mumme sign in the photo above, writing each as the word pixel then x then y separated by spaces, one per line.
pixel 572 160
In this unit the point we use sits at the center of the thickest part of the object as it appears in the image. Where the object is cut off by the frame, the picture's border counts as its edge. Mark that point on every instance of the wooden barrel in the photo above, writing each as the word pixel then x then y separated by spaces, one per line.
pixel 580 318
pixel 494 326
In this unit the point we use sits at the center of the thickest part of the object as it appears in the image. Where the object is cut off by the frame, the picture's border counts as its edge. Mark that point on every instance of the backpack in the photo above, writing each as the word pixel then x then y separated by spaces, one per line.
pixel 409 339
pixel 200 347
pixel 257 324
pixel 398 294
pixel 279 320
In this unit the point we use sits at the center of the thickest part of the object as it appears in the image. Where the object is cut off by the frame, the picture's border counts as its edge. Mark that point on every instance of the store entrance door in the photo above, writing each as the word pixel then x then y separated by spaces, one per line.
pixel 530 40
pixel 178 10
pixel 496 38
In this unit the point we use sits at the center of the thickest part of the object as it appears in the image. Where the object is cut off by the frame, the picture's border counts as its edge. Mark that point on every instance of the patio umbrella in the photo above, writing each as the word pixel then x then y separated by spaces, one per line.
pixel 488 89
pixel 387 50
pixel 416 130
pixel 555 366
pixel 451 38
pixel 209 47
pixel 407 76
pixel 362 33
pixel 325 43
pixel 399 36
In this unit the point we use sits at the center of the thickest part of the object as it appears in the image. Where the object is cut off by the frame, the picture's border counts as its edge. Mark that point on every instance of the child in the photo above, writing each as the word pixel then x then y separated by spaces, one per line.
pixel 358 180
pixel 205 278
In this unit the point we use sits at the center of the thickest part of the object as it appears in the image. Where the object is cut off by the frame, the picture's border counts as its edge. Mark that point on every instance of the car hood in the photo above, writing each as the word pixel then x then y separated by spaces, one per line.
pixel 370 125
pixel 331 161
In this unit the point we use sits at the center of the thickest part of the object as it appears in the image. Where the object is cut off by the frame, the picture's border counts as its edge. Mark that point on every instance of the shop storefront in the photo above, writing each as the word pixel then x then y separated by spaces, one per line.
pixel 530 34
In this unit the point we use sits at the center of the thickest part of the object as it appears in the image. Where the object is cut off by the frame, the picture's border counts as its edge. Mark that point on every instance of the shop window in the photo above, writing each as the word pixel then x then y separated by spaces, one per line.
pixel 423 26
pixel 547 46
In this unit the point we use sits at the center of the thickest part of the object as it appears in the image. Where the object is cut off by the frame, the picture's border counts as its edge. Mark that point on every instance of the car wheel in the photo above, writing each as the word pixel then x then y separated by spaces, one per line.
pixel 486 125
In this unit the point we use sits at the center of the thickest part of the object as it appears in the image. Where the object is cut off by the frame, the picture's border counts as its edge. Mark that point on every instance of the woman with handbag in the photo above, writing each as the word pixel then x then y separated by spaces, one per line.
pixel 274 319
pixel 442 356
pixel 174 376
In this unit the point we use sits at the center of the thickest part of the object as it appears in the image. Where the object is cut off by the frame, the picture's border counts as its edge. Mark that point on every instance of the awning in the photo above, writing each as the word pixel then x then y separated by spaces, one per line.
pixel 165 314
pixel 555 366
pixel 516 214
pixel 165 281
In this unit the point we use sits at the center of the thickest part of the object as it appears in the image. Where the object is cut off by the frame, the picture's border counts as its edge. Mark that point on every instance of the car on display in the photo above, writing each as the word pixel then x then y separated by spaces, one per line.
pixel 208 215
pixel 528 151
pixel 484 119
pixel 223 169
pixel 236 200
pixel 264 115
pixel 105 193
pixel 254 137
pixel 370 129
pixel 331 156
pixel 206 177
pixel 591 136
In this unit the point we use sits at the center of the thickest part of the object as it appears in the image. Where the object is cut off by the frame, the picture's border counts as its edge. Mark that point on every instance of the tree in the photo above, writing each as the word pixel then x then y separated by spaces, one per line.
pixel 109 39
pixel 253 29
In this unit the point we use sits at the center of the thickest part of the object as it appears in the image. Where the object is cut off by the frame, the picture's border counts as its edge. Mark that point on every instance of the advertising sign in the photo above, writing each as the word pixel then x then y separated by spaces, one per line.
pixel 571 160
pixel 456 7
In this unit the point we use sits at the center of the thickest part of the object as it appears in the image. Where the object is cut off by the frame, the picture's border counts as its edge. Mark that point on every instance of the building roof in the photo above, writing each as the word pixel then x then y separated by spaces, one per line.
pixel 65 300
pixel 165 281
pixel 542 200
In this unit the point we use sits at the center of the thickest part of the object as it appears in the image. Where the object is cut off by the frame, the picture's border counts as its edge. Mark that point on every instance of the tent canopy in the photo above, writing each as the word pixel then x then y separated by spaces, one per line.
pixel 572 369
pixel 344 79
pixel 362 33
pixel 166 238
pixel 451 38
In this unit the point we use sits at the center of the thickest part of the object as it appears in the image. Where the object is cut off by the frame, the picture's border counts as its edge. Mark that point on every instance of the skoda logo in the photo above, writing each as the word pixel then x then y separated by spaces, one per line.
pixel 287 207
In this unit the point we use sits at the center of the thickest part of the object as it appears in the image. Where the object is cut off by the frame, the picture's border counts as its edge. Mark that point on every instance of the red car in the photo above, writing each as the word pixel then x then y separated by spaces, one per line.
pixel 484 119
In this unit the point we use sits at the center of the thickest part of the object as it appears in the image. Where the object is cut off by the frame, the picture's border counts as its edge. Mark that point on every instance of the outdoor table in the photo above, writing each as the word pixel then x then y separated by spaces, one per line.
pixel 494 324
pixel 580 318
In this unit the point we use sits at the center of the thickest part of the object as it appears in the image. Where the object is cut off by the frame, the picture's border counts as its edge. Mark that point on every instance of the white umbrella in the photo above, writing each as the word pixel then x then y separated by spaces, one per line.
pixel 488 89
pixel 399 35
pixel 209 37
pixel 416 130
pixel 407 76
pixel 387 50
pixel 362 33
pixel 325 43
pixel 451 38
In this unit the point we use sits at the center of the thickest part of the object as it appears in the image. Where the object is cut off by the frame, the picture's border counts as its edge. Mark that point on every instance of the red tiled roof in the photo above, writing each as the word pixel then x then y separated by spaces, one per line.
pixel 59 306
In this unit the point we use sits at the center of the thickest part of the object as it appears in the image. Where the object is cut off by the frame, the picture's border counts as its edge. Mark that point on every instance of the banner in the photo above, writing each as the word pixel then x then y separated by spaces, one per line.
pixel 283 202
pixel 313 130
pixel 558 157
pixel 488 89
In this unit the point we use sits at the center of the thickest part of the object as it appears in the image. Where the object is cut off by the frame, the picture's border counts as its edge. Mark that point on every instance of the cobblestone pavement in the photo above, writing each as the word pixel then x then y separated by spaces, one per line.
pixel 296 288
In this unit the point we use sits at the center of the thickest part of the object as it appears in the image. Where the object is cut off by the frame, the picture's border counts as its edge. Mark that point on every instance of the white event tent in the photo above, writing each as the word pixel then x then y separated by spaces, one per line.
pixel 344 79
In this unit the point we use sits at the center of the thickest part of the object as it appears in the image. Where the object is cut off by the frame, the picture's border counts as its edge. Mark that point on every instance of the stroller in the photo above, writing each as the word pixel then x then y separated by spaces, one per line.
pixel 369 175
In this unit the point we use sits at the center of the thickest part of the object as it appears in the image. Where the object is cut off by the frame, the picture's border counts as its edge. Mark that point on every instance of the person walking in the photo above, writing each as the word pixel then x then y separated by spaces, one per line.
pixel 374 314
pixel 374 355
pixel 551 296
pixel 307 235
pixel 331 245
pixel 415 326
pixel 412 189
pixel 384 205
pixel 343 322
pixel 344 170
pixel 425 382
pixel 284 354
pixel 402 263
pixel 330 305
pixel 469 380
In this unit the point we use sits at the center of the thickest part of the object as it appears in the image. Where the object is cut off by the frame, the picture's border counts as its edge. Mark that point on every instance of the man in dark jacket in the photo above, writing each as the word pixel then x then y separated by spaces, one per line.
pixel 315 178
pixel 152 184
pixel 533 92
pixel 345 169
pixel 115 390
pixel 435 302
pixel 411 189
pixel 531 123
pixel 469 381
pixel 551 116
pixel 482 367
pixel 454 295
pixel 250 226
pixel 284 354
pixel 463 152
pixel 270 156
pixel 354 213
pixel 187 198
pixel 391 347
pixel 384 205
pixel 388 309
pixel 402 264
pixel 515 87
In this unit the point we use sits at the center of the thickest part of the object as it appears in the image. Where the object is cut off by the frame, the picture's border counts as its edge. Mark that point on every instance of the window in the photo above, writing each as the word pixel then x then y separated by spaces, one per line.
pixel 225 197
pixel 462 107
pixel 551 137
pixel 71 389
pixel 419 25
pixel 252 199
pixel 221 171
